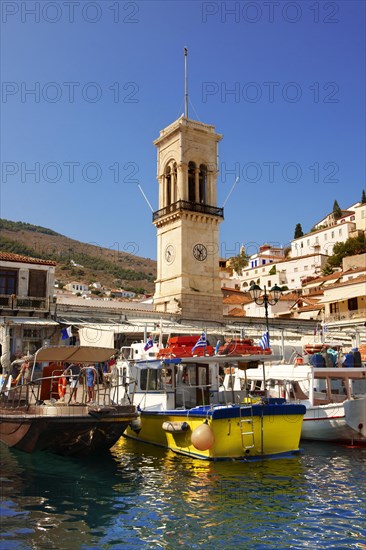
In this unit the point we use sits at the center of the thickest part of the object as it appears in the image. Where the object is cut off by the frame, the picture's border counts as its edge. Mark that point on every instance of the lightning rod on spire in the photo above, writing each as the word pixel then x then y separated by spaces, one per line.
pixel 186 82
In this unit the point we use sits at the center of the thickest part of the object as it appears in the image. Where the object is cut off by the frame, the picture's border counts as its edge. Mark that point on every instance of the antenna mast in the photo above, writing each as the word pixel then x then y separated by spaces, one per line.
pixel 185 83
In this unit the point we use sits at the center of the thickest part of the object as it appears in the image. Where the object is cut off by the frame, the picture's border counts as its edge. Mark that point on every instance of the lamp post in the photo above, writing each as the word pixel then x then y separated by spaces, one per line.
pixel 263 298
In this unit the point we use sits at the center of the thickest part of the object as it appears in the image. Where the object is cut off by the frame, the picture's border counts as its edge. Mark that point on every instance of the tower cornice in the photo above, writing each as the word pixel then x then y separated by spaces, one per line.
pixel 183 124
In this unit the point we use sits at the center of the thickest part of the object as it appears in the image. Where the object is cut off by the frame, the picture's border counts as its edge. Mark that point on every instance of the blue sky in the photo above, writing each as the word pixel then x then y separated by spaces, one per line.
pixel 87 86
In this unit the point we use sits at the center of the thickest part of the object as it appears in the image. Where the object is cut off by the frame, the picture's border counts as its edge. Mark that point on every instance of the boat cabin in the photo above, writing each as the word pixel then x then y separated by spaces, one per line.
pixel 166 383
pixel 318 386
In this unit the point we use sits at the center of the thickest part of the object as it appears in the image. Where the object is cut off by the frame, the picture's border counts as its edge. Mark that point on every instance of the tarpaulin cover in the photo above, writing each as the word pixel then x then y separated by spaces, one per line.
pixel 75 354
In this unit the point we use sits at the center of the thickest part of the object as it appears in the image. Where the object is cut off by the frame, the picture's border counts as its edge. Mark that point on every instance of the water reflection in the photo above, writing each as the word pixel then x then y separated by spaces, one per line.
pixel 146 497
pixel 188 497
pixel 60 498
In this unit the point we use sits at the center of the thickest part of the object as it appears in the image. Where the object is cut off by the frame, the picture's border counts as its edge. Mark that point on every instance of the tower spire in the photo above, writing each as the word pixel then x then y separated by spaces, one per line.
pixel 186 82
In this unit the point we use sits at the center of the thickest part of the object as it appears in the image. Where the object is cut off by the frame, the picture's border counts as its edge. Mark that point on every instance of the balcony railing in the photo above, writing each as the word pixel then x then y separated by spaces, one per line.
pixel 346 315
pixel 189 206
pixel 26 303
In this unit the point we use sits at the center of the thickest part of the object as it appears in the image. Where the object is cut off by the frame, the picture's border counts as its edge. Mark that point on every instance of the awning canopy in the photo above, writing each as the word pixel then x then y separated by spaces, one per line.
pixel 74 354
pixel 30 321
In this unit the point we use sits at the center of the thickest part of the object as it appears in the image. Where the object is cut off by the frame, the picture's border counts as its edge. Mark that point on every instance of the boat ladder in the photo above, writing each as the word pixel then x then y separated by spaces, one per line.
pixel 247 429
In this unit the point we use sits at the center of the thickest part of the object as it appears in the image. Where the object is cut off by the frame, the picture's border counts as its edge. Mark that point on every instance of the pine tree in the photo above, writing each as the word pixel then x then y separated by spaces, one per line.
pixel 363 199
pixel 298 231
pixel 337 210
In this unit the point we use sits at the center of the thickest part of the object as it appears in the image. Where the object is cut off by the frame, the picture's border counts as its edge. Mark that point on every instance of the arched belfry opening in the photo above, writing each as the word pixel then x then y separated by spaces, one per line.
pixel 191 181
pixel 202 184
pixel 170 184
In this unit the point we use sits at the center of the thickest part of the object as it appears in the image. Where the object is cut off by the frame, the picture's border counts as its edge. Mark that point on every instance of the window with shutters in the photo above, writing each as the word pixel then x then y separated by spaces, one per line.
pixel 37 283
pixel 8 281
pixel 352 304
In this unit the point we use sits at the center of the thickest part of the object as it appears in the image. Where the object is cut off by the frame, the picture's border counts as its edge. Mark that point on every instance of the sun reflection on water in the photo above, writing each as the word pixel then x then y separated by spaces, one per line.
pixel 140 496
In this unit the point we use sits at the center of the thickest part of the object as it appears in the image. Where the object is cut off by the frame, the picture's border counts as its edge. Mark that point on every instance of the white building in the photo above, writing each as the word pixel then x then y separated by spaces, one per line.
pixel 288 272
pixel 76 287
pixel 267 255
pixel 308 256
pixel 282 306
pixel 330 231
pixel 120 293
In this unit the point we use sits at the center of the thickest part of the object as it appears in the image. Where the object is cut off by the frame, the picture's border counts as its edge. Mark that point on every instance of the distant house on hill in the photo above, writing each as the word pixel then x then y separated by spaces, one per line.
pixel 119 293
pixel 76 287
pixel 97 285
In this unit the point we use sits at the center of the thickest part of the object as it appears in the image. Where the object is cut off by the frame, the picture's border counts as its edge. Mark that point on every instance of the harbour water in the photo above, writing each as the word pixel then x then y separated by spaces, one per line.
pixel 139 496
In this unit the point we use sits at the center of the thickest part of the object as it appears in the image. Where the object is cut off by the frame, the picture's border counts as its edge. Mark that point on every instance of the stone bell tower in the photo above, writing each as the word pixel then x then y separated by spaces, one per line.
pixel 187 221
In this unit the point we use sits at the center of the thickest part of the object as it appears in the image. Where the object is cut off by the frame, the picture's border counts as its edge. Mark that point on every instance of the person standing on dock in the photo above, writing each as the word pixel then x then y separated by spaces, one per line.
pixel 74 372
pixel 91 378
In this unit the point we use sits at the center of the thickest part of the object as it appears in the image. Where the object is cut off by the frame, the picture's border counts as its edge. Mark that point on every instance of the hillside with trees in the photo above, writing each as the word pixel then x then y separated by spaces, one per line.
pixel 77 261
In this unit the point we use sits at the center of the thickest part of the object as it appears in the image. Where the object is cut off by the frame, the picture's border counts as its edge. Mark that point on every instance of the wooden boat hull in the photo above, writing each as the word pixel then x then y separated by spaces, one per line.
pixel 66 430
pixel 238 433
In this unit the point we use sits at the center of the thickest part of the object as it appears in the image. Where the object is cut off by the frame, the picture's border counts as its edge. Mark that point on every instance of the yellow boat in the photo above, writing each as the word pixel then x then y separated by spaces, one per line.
pixel 185 408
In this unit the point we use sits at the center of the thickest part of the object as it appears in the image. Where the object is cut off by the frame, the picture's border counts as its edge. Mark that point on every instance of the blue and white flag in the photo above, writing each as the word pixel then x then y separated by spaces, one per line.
pixel 201 342
pixel 66 333
pixel 149 344
pixel 264 341
pixel 217 347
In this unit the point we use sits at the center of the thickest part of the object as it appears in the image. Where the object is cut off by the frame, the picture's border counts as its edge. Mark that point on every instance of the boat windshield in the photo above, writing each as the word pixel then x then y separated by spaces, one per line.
pixel 151 379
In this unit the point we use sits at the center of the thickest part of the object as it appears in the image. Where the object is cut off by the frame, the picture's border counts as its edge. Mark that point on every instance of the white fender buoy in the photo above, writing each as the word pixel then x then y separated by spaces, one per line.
pixel 203 437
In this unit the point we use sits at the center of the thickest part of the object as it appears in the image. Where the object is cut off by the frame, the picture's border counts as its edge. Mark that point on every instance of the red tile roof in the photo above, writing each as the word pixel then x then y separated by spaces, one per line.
pixel 359 279
pixel 236 312
pixel 11 257
pixel 354 270
pixel 313 307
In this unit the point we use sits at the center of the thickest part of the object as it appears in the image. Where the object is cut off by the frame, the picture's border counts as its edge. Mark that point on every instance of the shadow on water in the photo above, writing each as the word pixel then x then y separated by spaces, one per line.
pixel 140 496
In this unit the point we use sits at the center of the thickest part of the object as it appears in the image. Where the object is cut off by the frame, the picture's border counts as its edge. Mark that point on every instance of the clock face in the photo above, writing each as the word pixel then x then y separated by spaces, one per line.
pixel 169 254
pixel 200 252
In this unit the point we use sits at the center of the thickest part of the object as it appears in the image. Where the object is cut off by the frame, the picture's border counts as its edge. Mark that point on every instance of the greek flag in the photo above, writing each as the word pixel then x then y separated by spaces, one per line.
pixel 149 344
pixel 201 342
pixel 217 347
pixel 264 341
pixel 66 333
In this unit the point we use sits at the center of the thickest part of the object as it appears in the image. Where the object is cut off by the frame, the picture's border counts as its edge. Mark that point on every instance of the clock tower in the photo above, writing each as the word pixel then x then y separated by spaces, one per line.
pixel 187 221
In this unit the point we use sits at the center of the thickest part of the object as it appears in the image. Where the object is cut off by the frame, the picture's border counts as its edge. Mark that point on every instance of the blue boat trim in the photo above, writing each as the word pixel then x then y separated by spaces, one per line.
pixel 234 411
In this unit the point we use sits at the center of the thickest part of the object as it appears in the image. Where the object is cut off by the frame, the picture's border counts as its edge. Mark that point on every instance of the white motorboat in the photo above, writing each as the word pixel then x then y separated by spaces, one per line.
pixel 335 398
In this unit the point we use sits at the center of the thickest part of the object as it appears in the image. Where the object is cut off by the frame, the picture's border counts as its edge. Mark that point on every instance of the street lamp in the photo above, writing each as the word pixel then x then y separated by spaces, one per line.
pixel 264 299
